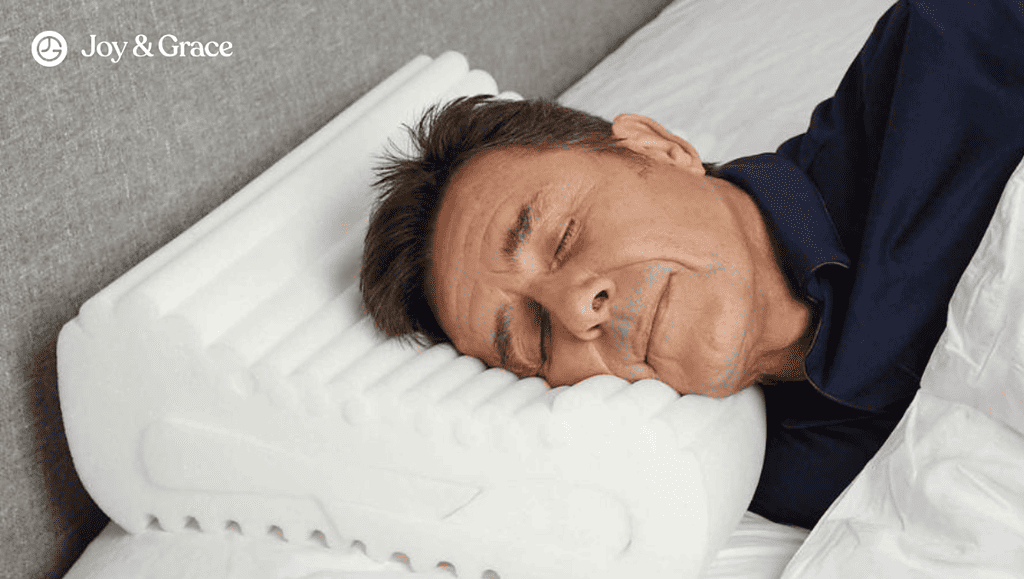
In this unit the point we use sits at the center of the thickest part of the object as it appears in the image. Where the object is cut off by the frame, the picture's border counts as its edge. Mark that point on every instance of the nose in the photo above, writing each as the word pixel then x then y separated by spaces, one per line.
pixel 581 304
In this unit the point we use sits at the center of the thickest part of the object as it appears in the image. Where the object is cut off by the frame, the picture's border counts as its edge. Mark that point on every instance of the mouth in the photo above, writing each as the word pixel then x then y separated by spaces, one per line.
pixel 648 325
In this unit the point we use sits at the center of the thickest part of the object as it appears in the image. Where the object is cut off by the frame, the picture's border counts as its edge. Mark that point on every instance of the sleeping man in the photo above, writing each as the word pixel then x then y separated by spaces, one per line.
pixel 549 242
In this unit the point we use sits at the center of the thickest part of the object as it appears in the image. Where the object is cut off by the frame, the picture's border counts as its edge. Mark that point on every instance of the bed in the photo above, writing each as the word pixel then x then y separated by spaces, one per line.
pixel 940 499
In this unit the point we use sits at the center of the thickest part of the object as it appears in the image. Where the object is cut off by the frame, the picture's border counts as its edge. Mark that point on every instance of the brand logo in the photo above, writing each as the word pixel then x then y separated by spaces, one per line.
pixel 49 48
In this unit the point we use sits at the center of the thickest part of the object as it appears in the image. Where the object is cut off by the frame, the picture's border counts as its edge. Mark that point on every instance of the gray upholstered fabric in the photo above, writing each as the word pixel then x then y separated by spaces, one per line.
pixel 104 162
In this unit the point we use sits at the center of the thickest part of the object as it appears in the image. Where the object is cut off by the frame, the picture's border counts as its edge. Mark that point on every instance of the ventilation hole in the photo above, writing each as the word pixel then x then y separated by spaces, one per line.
pixel 154 524
pixel 401 558
pixel 447 567
pixel 490 574
pixel 359 545
pixel 192 523
pixel 277 532
pixel 233 526
pixel 318 537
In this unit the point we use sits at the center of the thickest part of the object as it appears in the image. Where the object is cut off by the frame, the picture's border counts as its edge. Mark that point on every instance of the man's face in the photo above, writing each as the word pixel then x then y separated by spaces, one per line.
pixel 572 263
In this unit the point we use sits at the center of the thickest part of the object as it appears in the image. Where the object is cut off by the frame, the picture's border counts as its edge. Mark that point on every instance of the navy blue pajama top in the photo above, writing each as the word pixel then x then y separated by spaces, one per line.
pixel 877 210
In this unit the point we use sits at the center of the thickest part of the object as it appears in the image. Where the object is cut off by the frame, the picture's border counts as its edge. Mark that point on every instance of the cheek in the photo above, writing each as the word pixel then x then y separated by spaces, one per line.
pixel 633 212
pixel 630 244
pixel 703 342
pixel 626 231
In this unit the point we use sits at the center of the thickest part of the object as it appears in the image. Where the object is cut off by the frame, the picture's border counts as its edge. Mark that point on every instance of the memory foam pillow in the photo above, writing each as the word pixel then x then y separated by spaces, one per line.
pixel 231 381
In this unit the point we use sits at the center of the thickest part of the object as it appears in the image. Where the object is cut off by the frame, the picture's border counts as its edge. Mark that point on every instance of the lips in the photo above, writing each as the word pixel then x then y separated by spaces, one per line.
pixel 648 323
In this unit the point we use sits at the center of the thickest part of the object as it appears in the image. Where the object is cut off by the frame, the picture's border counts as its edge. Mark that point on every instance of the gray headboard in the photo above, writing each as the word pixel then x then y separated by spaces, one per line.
pixel 103 162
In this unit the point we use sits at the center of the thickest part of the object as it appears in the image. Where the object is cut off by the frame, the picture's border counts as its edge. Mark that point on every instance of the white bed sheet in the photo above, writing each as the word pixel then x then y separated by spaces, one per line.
pixel 734 77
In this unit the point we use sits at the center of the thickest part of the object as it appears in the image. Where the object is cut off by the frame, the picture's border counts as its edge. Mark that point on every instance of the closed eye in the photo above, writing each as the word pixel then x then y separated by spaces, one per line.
pixel 567 237
pixel 545 340
pixel 543 321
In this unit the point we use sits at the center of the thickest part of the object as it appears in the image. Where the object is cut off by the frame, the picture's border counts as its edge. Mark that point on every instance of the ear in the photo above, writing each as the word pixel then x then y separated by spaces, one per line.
pixel 644 135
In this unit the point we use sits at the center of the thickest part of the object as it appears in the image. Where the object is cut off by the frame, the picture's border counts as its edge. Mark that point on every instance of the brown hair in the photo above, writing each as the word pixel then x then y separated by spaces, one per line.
pixel 396 256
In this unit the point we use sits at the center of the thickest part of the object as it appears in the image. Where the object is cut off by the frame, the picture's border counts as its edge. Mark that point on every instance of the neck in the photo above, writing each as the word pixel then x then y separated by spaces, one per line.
pixel 785 319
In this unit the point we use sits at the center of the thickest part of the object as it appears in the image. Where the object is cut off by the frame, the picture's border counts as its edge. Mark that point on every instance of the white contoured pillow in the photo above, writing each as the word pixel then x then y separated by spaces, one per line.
pixel 233 381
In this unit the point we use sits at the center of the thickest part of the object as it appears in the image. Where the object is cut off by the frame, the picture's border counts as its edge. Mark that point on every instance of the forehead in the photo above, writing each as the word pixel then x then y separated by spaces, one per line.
pixel 488 178
pixel 512 173
pixel 503 180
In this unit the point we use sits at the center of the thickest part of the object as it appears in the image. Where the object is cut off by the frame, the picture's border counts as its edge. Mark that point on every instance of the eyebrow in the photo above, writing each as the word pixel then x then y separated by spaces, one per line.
pixel 520 231
pixel 503 342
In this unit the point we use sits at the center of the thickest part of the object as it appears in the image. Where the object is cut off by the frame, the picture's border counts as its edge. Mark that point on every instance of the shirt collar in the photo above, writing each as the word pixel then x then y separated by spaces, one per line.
pixel 791 203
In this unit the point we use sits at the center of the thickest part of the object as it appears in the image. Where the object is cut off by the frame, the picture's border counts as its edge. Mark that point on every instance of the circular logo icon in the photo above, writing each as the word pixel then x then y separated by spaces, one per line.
pixel 49 48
